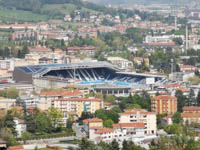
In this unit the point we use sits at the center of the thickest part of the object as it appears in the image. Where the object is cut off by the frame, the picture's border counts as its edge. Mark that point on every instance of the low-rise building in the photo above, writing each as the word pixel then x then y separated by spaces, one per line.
pixel 93 122
pixel 164 104
pixel 20 126
pixel 7 103
pixel 140 116
pixel 28 101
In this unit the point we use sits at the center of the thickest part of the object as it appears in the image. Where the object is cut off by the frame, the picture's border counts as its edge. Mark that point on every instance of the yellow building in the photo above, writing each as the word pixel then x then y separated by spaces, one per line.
pixel 191 109
pixel 164 104
pixel 78 105
pixel 93 122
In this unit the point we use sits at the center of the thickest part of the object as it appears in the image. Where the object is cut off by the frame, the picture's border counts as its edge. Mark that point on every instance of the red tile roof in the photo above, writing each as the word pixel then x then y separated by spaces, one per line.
pixel 62 93
pixel 105 130
pixel 137 125
pixel 164 97
pixel 190 115
pixel 191 108
pixel 134 111
pixel 162 44
pixel 19 120
pixel 79 99
pixel 183 89
pixel 107 104
pixel 19 147
pixel 86 121
pixel 186 67
pixel 174 85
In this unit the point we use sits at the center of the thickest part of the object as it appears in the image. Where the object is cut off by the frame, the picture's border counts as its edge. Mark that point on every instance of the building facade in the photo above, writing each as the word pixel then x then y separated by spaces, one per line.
pixel 164 104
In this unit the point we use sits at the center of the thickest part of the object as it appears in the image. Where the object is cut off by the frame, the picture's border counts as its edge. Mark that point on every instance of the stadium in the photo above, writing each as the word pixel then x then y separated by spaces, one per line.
pixel 91 73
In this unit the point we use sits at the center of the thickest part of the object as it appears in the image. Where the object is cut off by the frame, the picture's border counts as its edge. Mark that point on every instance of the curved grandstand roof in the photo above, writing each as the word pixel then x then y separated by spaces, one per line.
pixel 41 69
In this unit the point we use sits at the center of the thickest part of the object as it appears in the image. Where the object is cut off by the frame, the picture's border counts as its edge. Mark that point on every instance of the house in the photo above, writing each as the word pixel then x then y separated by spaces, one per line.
pixel 164 104
pixel 141 60
pixel 20 126
pixel 140 116
pixel 88 51
pixel 93 122
pixel 187 68
pixel 40 50
pixel 189 118
pixel 7 103
pixel 191 109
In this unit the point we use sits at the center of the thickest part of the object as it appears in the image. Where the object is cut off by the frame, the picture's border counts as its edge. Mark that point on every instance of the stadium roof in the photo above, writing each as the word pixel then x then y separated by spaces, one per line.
pixel 42 69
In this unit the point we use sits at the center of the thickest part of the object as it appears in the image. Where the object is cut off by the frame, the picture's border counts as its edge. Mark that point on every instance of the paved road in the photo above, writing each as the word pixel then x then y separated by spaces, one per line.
pixel 33 146
pixel 80 133
pixel 50 141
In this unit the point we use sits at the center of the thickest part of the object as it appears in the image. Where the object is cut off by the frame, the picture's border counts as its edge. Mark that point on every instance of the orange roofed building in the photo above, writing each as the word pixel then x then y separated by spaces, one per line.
pixel 191 114
pixel 140 116
pixel 78 105
pixel 164 104
pixel 93 123
pixel 46 98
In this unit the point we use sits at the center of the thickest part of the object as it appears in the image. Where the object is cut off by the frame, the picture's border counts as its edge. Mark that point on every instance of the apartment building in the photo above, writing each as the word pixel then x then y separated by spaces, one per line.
pixel 46 99
pixel 164 104
pixel 191 114
pixel 78 105
pixel 121 62
pixel 140 116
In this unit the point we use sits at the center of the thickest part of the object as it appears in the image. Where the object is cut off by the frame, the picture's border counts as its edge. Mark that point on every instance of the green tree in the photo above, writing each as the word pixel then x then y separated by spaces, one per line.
pixel 114 145
pixel 177 118
pixel 43 123
pixel 198 99
pixel 69 123
pixel 180 100
pixel 110 98
pixel 108 123
pixel 56 117
pixel 134 106
pixel 12 93
pixel 7 135
pixel 9 122
pixel 26 136
pixel 86 145
pixel 125 145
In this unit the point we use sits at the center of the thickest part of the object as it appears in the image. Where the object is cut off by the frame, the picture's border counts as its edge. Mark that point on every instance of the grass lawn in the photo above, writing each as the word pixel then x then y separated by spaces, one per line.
pixel 20 15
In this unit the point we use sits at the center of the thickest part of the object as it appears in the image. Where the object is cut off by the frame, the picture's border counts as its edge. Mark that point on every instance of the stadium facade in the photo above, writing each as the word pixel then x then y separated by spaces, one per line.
pixel 88 73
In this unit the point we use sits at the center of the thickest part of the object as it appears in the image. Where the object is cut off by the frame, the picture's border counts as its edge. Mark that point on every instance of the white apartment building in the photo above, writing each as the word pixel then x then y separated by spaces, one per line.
pixel 119 132
pixel 7 64
pixel 162 39
pixel 140 116
pixel 28 101
pixel 121 62
pixel 20 126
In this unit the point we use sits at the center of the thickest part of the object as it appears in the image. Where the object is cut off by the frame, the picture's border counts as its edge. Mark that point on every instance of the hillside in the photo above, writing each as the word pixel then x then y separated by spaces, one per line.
pixel 41 10
pixel 144 2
